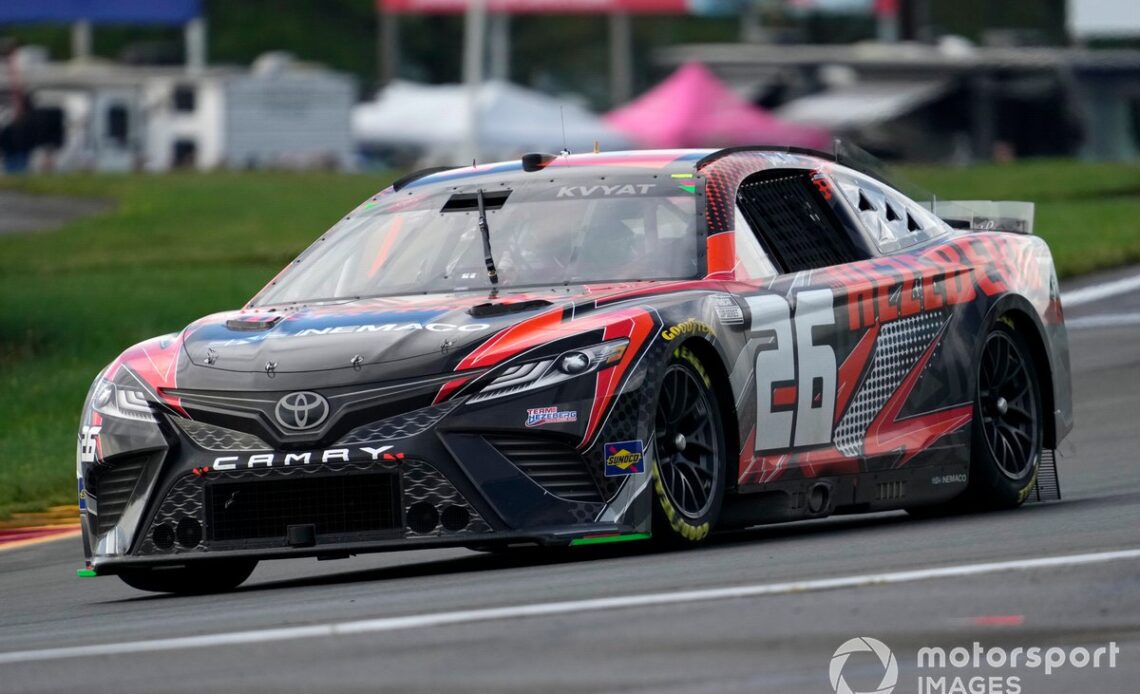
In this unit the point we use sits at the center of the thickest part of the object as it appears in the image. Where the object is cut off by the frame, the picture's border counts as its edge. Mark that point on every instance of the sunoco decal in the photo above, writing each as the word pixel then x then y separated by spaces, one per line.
pixel 624 458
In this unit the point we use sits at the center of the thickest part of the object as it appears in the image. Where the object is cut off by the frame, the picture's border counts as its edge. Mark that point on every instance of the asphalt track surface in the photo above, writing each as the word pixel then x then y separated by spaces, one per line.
pixel 318 626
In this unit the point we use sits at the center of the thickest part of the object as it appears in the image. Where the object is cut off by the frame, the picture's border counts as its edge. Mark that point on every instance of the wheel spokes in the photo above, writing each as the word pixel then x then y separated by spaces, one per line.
pixel 1008 410
pixel 685 439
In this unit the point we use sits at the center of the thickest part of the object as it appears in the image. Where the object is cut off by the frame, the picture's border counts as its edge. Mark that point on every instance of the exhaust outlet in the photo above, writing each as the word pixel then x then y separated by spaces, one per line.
pixel 818 497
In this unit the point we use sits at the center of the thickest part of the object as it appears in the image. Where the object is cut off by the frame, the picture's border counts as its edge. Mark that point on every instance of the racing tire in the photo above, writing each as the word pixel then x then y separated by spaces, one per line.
pixel 199 578
pixel 1008 429
pixel 689 453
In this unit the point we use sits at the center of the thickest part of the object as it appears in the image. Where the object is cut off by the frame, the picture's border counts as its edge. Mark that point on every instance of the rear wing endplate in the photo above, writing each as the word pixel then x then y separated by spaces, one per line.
pixel 986 215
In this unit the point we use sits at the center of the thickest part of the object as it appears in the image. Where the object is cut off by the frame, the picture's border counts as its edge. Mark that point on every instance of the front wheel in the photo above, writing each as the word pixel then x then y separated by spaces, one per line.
pixel 689 453
pixel 199 578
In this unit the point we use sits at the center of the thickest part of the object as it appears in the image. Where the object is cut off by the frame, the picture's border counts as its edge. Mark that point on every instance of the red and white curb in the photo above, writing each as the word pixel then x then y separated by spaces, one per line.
pixel 16 538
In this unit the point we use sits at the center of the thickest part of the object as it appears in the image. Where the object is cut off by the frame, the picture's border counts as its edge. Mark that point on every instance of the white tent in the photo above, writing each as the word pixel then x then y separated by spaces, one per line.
pixel 511 120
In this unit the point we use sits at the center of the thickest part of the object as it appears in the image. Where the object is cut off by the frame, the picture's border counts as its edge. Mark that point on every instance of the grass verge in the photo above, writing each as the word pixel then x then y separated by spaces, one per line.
pixel 173 249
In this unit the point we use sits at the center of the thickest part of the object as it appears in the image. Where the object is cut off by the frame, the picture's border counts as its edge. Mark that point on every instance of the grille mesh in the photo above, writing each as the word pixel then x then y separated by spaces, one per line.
pixel 796 228
pixel 1048 485
pixel 215 438
pixel 113 488
pixel 336 505
pixel 899 347
pixel 398 427
pixel 554 466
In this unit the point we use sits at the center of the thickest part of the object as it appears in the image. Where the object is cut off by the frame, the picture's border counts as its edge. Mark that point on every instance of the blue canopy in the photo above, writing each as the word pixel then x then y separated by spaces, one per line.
pixel 99 11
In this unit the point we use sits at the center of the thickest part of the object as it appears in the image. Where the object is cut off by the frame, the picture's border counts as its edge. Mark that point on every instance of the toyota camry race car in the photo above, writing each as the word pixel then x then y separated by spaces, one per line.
pixel 570 350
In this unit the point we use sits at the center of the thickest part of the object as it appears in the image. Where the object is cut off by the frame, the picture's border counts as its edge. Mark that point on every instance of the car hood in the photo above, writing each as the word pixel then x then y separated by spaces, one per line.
pixel 340 335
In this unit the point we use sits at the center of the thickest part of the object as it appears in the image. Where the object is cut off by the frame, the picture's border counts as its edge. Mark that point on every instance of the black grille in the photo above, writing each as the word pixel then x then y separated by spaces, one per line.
pixel 554 466
pixel 215 438
pixel 1048 485
pixel 336 505
pixel 797 230
pixel 112 488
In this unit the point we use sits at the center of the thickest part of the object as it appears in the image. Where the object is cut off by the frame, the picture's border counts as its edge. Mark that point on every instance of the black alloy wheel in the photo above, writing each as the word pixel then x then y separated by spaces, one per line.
pixel 1008 423
pixel 1008 405
pixel 688 452
pixel 687 442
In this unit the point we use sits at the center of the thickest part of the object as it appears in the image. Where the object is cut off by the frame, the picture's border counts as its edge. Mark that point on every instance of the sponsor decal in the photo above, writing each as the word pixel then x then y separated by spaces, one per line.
pixel 685 328
pixel 624 458
pixel 89 443
pixel 357 329
pixel 960 478
pixel 605 191
pixel 331 455
pixel 537 416
pixel 728 312
pixel 394 328
pixel 301 410
pixel 887 289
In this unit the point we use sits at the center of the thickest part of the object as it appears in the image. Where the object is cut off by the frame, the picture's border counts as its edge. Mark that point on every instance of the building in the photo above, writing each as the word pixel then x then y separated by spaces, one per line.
pixel 112 117
pixel 947 101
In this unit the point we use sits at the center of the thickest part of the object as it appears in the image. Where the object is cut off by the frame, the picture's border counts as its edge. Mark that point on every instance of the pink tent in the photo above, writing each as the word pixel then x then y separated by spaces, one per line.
pixel 692 108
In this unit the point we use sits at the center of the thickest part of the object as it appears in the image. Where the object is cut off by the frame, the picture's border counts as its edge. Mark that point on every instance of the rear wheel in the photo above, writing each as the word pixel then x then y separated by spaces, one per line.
pixel 198 578
pixel 689 453
pixel 1007 422
pixel 1007 430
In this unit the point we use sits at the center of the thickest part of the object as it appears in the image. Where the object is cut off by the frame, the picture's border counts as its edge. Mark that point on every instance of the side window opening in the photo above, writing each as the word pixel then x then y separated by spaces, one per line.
pixel 890 219
pixel 754 262
pixel 794 225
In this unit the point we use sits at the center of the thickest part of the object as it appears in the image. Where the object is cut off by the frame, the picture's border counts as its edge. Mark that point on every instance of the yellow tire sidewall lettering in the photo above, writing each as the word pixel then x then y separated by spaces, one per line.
pixel 687 355
pixel 677 521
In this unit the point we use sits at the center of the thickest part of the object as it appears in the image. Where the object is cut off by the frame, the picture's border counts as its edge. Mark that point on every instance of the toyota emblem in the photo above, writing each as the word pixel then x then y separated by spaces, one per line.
pixel 302 410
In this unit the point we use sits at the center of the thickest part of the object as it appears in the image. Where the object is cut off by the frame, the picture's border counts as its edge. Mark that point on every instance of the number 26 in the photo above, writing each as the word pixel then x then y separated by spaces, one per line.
pixel 778 385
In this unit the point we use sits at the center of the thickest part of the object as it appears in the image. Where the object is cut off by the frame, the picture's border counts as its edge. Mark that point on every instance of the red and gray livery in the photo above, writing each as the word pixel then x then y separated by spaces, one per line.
pixel 773 336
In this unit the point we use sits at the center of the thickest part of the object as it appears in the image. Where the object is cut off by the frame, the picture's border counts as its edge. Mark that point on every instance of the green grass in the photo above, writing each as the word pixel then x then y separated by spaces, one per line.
pixel 173 249
pixel 178 247
pixel 1089 213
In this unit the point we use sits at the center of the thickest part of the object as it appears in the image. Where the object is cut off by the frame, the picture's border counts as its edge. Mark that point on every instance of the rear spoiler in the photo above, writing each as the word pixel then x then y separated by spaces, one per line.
pixel 986 215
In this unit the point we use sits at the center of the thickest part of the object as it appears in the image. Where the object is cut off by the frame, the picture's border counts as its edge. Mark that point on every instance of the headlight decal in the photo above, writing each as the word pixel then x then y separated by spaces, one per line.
pixel 152 367
pixel 122 401
pixel 636 329
pixel 533 375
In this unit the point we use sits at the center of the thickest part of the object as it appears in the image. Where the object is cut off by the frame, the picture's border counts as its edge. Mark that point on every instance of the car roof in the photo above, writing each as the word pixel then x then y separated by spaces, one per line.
pixel 660 161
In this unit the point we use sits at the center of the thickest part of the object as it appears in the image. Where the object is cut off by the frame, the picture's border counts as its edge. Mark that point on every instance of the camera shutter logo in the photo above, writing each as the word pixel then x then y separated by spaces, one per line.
pixel 864 644
pixel 301 410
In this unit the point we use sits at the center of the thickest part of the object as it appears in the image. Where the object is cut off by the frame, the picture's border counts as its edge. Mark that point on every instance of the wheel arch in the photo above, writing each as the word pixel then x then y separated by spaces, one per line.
pixel 713 363
pixel 1018 311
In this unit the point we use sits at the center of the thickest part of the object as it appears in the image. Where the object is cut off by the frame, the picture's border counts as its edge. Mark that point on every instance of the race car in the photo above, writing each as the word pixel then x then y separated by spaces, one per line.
pixel 569 350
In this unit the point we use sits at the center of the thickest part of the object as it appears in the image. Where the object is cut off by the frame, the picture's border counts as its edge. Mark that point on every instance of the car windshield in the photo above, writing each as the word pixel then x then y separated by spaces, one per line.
pixel 590 230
